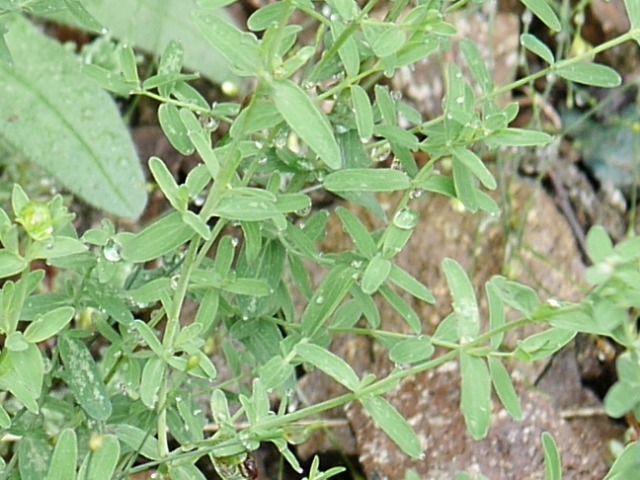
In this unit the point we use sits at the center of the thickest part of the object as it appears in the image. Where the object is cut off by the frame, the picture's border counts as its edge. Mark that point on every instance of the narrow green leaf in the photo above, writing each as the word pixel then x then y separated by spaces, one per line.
pixel 518 137
pixel 475 165
pixel 592 74
pixel 5 419
pixel 329 363
pixel 276 372
pixel 531 43
pixel 411 350
pixel 348 51
pixel 5 53
pixel 160 238
pixel 363 111
pixel 400 306
pixel 86 20
pixel 521 297
pixel 496 313
pixel 542 10
pixel 358 232
pixel 504 388
pixel 476 64
pixel 34 455
pixel 58 248
pixel 307 121
pixel 465 303
pixel 128 64
pixel 384 38
pixel 375 274
pixel 544 344
pixel 367 180
pixel 393 424
pixel 101 463
pixel 149 336
pixel 552 462
pixel 11 264
pixel 49 324
pixel 86 147
pixel 466 187
pixel 165 181
pixel 326 298
pixel 65 457
pixel 266 16
pixel 152 375
pixel 83 378
pixel 476 395
pixel 385 104
pixel 410 285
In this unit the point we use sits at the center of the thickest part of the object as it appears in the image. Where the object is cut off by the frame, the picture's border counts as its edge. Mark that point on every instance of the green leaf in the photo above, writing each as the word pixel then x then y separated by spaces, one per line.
pixel 393 424
pixel 544 344
pixel 240 49
pixel 22 375
pixel 466 187
pixel 542 10
pixel 329 363
pixel 139 440
pixel 475 165
pixel 83 378
pixel 358 232
pixel 552 462
pixel 599 244
pixel 83 17
pixel 628 463
pixel 174 129
pixel 363 111
pixel 384 38
pixel 49 324
pixel 476 395
pixel 504 388
pixel 633 11
pixel 367 180
pixel 11 264
pixel 531 43
pixel 160 238
pixel 521 297
pixel 65 456
pixel 149 336
pixel 375 274
pixel 57 119
pixel 34 454
pixel 465 303
pixel 57 248
pixel 152 375
pixel 247 208
pixel 276 372
pixel 592 74
pixel 411 350
pixel 307 121
pixel 476 64
pixel 5 53
pixel 517 137
pixel 348 51
pixel 496 313
pixel 400 306
pixel 101 463
pixel 410 285
pixel 621 398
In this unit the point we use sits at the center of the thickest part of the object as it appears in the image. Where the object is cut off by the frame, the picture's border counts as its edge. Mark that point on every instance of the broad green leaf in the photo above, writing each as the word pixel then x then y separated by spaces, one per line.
pixel 521 297
pixel 393 424
pixel 367 180
pixel 599 245
pixel 475 165
pixel 345 8
pixel 266 16
pixel 57 119
pixel 552 462
pixel 329 363
pixel 627 464
pixel 57 248
pixel 245 208
pixel 174 129
pixel 504 388
pixel 475 399
pixel 240 49
pixel 358 232
pixel 465 303
pixel 592 74
pixel 384 38
pixel 83 378
pixel 410 285
pixel 49 324
pixel 11 264
pixel 139 440
pixel 34 455
pixel 375 274
pixel 621 398
pixel 531 43
pixel 363 111
pixel 22 373
pixel 307 121
pixel 367 305
pixel 544 12
pixel 633 11
pixel 544 344
pixel 275 372
pixel 101 462
pixel 65 456
pixel 411 350
pixel 160 238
